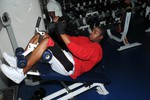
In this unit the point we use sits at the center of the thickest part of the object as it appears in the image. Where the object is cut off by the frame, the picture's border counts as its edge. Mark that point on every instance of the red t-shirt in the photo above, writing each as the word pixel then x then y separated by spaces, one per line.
pixel 86 54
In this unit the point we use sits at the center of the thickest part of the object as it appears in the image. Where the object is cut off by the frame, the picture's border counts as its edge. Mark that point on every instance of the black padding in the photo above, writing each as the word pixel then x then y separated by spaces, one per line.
pixel 58 53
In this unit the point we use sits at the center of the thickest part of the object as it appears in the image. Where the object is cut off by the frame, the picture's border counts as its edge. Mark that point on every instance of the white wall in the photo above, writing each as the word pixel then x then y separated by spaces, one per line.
pixel 23 14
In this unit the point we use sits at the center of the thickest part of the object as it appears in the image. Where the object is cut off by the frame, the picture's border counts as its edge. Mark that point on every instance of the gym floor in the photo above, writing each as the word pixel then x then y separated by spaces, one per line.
pixel 128 71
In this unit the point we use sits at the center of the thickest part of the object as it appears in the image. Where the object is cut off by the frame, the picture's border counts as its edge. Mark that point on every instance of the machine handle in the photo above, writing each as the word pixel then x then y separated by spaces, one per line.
pixel 38 22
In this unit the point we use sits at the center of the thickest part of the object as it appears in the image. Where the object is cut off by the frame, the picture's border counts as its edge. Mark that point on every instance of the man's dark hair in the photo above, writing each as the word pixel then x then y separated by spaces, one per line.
pixel 102 30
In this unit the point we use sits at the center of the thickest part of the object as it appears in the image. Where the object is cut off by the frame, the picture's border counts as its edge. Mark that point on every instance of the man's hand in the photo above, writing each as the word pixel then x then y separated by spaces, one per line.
pixel 55 18
pixel 61 26
pixel 52 27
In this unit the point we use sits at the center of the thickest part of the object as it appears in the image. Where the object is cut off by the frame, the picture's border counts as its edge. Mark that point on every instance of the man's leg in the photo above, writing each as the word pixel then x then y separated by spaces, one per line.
pixel 11 60
pixel 59 54
pixel 18 74
pixel 58 67
pixel 36 55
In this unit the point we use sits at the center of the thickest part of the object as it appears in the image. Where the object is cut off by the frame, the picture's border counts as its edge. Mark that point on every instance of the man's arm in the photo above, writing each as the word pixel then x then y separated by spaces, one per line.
pixel 65 38
pixel 77 50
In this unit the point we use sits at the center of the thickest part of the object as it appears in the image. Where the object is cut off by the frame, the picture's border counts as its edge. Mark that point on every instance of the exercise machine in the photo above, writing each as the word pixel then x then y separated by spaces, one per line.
pixel 21 53
pixel 123 34
pixel 6 22
pixel 95 79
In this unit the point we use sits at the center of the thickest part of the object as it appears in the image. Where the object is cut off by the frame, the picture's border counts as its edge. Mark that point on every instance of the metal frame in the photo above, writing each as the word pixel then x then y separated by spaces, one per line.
pixel 76 89
pixel 68 92
pixel 6 21
pixel 124 33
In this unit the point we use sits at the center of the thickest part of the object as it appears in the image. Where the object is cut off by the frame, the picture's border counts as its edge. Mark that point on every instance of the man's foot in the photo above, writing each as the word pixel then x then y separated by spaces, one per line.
pixel 11 60
pixel 147 30
pixel 14 73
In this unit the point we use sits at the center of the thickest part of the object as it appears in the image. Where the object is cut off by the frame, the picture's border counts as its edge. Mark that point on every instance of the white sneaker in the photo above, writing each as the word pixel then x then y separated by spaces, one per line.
pixel 11 60
pixel 14 73
pixel 147 30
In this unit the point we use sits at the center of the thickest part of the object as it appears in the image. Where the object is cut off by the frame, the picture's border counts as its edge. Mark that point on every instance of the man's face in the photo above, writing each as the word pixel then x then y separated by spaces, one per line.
pixel 95 35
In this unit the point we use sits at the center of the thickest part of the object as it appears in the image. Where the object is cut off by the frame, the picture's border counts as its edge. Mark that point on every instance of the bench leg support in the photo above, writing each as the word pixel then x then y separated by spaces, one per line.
pixel 76 89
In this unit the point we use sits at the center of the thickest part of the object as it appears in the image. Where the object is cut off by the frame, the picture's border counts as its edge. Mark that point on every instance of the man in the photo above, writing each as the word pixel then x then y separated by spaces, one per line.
pixel 84 54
